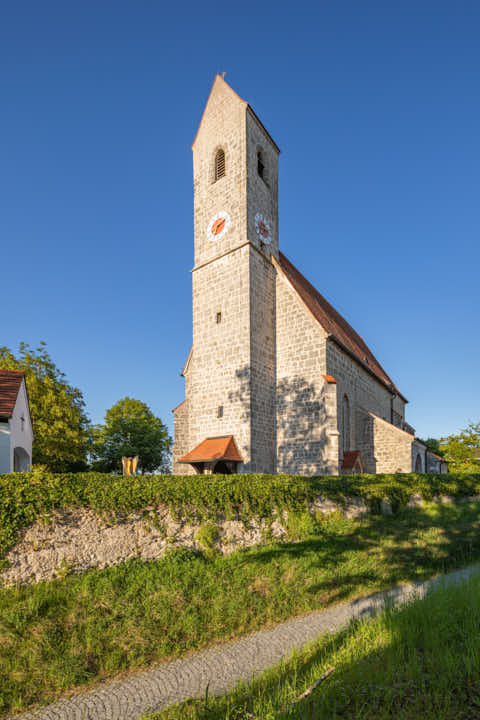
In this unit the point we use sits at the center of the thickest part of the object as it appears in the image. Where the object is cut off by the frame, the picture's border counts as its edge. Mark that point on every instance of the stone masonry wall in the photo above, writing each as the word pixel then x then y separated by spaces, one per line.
pixel 307 438
pixel 262 197
pixel 392 447
pixel 365 394
pixel 223 125
pixel 262 363
pixel 220 372
pixel 181 447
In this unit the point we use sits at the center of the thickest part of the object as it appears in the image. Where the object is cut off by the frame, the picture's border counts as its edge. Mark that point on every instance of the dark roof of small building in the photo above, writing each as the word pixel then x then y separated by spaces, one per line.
pixel 350 459
pixel 335 325
pixel 215 448
pixel 10 383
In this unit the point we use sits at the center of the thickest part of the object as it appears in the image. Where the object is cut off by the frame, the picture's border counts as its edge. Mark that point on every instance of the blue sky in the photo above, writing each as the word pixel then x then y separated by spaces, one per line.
pixel 376 108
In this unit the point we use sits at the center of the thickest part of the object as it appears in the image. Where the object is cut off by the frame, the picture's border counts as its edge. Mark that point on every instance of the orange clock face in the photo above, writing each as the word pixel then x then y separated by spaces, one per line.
pixel 218 226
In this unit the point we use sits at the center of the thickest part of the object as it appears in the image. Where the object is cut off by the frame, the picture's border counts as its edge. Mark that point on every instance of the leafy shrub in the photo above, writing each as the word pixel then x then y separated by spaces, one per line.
pixel 301 525
pixel 24 497
pixel 207 535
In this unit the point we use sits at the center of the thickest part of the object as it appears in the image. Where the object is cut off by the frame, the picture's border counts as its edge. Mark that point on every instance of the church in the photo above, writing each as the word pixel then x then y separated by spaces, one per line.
pixel 276 380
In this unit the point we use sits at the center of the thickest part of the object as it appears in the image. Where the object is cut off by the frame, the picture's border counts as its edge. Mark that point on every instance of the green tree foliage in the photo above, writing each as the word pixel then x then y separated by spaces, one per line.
pixel 57 409
pixel 434 446
pixel 463 450
pixel 131 429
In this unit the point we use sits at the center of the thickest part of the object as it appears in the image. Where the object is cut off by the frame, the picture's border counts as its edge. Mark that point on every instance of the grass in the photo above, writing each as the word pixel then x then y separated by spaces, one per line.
pixel 85 628
pixel 421 660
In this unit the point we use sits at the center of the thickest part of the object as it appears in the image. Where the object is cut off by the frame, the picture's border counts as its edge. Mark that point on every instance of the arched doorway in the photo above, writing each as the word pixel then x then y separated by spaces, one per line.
pixel 21 460
pixel 418 464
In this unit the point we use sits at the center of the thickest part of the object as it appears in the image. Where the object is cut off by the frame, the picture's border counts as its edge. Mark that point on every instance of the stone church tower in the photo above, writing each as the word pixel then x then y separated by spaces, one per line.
pixel 230 375
pixel 276 380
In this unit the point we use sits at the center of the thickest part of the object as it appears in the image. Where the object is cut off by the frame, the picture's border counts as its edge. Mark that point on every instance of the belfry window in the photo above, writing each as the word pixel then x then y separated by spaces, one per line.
pixel 219 164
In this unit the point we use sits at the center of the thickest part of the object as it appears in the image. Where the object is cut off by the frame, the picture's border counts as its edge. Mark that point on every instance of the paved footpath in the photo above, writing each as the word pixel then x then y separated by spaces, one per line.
pixel 223 666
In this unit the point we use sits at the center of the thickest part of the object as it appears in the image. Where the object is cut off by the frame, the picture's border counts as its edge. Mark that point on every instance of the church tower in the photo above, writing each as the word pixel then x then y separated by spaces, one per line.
pixel 230 374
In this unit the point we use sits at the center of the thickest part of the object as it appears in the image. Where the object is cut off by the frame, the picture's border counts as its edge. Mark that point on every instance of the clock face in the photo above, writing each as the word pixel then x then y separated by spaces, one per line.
pixel 218 226
pixel 263 228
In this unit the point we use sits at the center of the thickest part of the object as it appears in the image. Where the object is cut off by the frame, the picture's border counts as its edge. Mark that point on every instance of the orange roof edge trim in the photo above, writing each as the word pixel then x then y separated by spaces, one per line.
pixel 329 379
pixel 216 448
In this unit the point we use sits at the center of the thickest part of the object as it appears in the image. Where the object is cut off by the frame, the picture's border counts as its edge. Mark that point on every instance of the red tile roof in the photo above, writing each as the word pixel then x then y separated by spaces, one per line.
pixel 217 448
pixel 334 324
pixel 10 383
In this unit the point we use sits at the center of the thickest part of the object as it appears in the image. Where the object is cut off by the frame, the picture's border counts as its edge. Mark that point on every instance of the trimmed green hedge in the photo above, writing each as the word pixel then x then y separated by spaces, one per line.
pixel 25 497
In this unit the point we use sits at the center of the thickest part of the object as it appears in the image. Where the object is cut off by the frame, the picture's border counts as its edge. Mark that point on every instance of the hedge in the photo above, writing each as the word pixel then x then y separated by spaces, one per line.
pixel 25 497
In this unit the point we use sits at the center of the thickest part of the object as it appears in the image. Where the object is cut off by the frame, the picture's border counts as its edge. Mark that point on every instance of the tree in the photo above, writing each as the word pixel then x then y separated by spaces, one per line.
pixel 57 409
pixel 131 429
pixel 433 445
pixel 462 451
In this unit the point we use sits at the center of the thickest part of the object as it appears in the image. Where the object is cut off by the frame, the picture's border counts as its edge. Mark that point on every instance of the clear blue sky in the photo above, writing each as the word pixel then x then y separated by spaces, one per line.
pixel 376 108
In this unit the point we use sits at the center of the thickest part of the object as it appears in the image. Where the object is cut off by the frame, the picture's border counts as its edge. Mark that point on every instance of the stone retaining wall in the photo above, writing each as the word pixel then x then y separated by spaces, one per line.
pixel 76 539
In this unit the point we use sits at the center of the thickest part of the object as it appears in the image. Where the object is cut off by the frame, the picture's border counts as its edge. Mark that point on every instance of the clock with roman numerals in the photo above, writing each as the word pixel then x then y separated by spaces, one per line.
pixel 263 228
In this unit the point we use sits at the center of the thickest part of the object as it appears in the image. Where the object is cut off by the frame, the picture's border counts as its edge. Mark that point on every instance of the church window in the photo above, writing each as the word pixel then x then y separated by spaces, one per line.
pixel 219 164
pixel 220 411
pixel 219 318
pixel 346 424
pixel 261 165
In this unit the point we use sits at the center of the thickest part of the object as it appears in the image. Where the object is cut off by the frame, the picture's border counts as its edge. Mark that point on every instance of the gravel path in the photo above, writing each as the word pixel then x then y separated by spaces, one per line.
pixel 223 666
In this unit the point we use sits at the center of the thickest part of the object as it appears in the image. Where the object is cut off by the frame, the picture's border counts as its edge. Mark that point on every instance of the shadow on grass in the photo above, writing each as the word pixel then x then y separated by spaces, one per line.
pixel 380 551
pixel 421 660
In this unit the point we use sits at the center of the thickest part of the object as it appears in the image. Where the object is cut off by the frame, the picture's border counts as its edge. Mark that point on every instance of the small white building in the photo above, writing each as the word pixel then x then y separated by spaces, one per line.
pixel 16 433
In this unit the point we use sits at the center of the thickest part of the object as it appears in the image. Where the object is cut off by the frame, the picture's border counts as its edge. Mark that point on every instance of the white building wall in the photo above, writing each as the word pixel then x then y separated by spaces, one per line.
pixel 4 447
pixel 21 434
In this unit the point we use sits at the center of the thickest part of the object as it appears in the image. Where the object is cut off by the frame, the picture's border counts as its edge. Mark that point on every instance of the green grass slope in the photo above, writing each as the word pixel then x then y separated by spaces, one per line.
pixel 84 628
pixel 421 660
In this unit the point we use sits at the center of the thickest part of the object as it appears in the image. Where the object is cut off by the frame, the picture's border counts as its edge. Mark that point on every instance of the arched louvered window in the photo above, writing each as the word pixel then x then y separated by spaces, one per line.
pixel 219 164
pixel 346 424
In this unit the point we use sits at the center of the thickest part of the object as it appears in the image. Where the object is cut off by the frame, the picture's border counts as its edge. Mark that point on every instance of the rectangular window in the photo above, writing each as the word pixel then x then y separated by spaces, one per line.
pixel 220 411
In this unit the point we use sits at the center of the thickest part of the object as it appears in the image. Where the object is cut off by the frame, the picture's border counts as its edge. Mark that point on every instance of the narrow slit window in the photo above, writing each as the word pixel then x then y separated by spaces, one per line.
pixel 220 411
pixel 219 164
pixel 260 165
pixel 219 318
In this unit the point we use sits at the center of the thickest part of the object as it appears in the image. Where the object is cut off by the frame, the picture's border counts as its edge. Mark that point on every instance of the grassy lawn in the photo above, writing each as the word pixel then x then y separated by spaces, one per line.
pixel 419 661
pixel 85 628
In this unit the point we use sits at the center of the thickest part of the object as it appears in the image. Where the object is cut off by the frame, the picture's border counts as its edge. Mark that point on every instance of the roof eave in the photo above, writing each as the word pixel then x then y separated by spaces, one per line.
pixel 262 127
